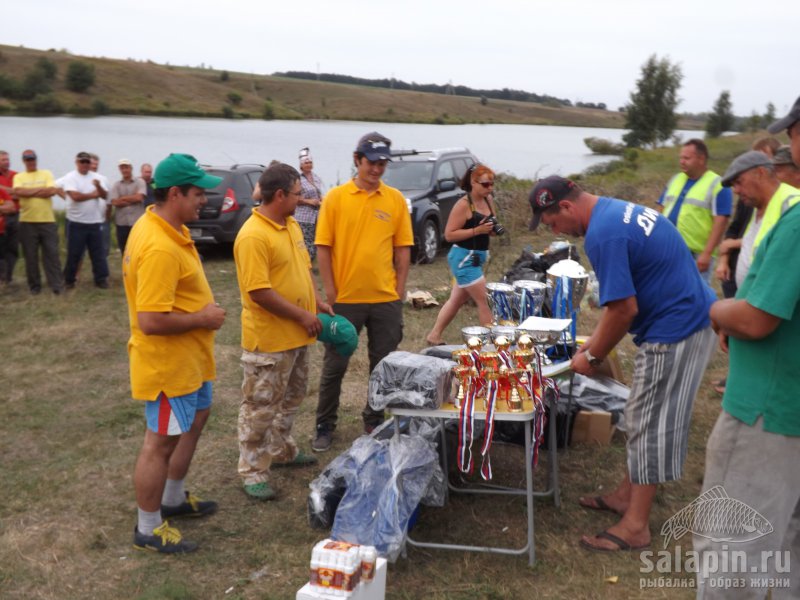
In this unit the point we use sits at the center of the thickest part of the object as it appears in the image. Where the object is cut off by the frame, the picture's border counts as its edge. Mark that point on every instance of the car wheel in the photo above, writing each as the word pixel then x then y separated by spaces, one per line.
pixel 429 242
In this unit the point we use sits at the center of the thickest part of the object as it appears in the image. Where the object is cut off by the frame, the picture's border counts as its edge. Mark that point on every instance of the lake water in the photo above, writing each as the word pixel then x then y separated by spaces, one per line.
pixel 522 150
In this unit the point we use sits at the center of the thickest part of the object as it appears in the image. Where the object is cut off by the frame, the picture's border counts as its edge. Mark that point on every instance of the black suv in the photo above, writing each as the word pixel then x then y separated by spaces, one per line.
pixel 429 179
pixel 229 204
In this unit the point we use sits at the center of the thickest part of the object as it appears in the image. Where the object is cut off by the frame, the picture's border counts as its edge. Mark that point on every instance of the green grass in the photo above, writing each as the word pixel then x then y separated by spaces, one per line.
pixel 69 435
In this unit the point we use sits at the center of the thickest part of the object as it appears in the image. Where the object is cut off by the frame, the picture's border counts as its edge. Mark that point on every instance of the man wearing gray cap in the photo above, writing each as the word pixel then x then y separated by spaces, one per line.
pixel 752 451
pixel 752 177
pixel 785 167
pixel 650 287
pixel 364 240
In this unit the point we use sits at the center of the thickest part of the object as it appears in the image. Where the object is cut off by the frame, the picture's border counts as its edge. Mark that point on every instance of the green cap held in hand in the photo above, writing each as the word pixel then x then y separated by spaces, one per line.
pixel 340 332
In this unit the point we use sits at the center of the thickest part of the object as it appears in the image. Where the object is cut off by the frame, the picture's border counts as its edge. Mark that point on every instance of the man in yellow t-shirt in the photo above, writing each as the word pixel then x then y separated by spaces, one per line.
pixel 279 321
pixel 173 317
pixel 364 240
pixel 35 188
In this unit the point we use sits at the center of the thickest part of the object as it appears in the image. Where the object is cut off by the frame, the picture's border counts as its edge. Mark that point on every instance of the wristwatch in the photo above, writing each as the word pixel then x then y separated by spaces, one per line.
pixel 593 360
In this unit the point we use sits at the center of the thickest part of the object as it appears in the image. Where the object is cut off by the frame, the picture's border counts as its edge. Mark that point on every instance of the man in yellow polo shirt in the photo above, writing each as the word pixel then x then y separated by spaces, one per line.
pixel 279 321
pixel 364 240
pixel 35 189
pixel 173 317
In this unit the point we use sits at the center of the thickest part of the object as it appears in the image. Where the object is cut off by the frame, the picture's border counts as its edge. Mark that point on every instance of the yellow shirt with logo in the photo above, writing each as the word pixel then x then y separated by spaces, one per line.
pixel 163 273
pixel 35 210
pixel 273 256
pixel 363 229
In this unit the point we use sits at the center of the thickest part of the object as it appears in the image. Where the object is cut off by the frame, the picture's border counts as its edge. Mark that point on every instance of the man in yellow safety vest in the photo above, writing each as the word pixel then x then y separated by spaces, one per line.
pixel 695 201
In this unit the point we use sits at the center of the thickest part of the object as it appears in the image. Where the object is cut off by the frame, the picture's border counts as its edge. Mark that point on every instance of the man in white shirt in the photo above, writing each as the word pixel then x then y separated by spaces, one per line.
pixel 86 208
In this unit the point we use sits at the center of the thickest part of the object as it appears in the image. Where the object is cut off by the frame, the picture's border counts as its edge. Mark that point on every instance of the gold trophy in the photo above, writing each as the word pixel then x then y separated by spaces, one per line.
pixel 490 364
pixel 515 400
pixel 463 371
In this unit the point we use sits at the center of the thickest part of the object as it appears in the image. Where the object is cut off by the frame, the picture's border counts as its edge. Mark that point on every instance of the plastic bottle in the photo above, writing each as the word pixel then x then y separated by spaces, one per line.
pixel 314 578
pixel 369 556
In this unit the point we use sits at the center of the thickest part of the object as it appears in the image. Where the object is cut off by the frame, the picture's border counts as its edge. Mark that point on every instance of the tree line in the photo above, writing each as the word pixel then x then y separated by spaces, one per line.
pixel 458 90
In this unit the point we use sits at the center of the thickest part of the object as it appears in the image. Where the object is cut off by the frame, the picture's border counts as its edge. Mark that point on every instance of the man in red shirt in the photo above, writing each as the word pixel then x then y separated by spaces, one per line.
pixel 9 218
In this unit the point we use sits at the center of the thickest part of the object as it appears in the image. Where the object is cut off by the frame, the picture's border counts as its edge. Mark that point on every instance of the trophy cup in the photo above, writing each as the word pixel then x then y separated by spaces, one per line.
pixel 501 302
pixel 463 371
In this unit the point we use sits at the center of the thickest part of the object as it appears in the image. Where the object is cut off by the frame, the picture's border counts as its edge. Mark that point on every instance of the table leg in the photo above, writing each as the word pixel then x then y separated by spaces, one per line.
pixel 552 450
pixel 529 489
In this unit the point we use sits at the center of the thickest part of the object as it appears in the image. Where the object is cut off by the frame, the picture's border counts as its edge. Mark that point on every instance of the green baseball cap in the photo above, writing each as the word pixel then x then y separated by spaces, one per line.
pixel 183 169
pixel 340 332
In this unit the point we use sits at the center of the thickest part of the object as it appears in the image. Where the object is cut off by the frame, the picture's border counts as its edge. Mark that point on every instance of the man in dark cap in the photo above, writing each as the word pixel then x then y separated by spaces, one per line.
pixel 791 124
pixel 86 211
pixel 650 287
pixel 364 240
pixel 785 167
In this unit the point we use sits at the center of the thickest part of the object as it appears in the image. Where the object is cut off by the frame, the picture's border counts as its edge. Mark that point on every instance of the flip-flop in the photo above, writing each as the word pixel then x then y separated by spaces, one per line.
pixel 622 545
pixel 431 344
pixel 720 389
pixel 599 504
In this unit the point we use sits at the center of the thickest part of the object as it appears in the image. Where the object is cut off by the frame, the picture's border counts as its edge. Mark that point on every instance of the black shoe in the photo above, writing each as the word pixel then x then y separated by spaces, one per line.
pixel 165 539
pixel 192 507
pixel 103 285
pixel 323 441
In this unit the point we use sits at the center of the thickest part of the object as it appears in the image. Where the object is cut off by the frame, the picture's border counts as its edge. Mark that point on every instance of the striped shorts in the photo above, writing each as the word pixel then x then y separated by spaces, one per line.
pixel 666 378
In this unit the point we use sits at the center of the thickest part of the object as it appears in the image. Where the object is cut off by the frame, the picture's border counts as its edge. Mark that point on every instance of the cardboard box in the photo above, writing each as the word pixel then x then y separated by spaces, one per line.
pixel 592 428
pixel 374 590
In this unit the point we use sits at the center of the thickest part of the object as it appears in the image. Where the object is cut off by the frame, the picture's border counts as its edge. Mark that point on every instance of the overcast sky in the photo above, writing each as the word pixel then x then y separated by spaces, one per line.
pixel 583 50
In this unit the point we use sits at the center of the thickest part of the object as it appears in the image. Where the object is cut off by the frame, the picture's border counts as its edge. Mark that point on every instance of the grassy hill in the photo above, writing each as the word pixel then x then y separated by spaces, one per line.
pixel 146 88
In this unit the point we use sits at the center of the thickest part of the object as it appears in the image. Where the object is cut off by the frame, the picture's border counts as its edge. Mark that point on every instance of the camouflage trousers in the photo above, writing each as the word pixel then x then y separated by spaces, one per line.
pixel 274 386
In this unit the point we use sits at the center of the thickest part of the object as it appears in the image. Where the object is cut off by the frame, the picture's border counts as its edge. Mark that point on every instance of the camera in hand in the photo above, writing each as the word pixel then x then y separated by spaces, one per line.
pixel 496 227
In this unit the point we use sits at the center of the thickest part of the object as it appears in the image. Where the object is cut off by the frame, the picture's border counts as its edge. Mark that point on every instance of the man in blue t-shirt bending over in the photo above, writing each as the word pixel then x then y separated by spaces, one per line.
pixel 650 287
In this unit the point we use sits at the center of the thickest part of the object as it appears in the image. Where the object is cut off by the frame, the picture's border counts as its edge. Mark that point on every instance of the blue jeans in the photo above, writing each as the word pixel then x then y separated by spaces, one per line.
pixel 106 226
pixel 83 236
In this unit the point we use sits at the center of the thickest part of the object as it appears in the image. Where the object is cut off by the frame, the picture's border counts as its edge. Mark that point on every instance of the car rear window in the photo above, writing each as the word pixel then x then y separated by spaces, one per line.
pixel 408 175
pixel 224 184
